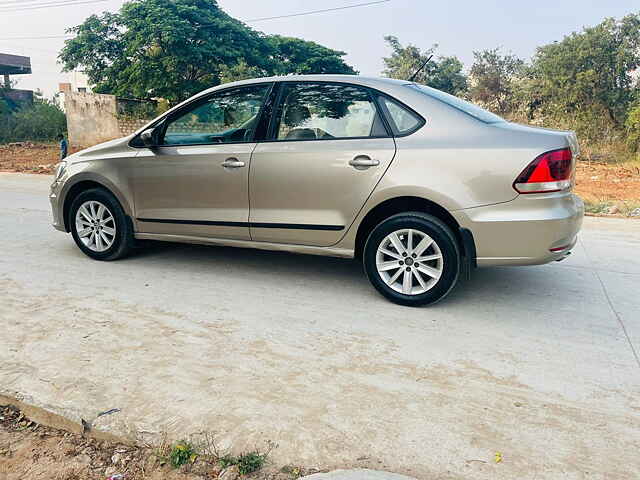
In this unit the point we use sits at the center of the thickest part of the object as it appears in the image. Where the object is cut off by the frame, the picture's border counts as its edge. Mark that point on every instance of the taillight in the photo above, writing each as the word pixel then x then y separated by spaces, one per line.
pixel 550 172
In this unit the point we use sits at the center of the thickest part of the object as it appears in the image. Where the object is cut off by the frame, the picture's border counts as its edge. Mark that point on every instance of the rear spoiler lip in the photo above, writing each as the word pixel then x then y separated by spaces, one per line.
pixel 572 139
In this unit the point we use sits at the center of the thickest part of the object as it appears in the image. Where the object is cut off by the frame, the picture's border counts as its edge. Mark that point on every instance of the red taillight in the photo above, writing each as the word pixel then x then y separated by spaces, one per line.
pixel 550 172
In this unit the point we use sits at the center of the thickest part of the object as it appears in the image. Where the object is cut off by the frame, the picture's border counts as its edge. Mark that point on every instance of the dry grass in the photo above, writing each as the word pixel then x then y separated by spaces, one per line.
pixel 32 451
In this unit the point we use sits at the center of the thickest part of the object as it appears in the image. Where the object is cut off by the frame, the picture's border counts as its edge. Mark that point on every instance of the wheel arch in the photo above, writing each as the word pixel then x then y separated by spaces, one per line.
pixel 84 184
pixel 393 206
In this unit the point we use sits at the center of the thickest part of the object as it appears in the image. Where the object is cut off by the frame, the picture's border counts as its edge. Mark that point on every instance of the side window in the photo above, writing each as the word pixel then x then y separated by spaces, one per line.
pixel 229 116
pixel 312 111
pixel 402 120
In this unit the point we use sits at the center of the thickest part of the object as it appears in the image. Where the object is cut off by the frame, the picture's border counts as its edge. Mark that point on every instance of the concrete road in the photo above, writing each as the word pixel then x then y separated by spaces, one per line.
pixel 539 363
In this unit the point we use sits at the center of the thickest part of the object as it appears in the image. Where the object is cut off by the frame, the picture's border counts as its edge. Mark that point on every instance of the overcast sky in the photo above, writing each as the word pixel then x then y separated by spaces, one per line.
pixel 459 27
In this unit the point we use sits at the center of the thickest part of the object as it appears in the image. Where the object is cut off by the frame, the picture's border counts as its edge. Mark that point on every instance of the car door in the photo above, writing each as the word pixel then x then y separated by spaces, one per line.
pixel 327 149
pixel 195 182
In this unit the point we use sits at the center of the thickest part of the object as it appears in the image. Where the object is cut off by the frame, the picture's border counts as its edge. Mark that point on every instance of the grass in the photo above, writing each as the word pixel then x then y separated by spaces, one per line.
pixel 602 208
pixel 186 453
pixel 181 454
pixel 247 462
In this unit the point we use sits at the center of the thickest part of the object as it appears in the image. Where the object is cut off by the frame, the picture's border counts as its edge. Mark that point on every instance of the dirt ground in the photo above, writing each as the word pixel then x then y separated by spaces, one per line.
pixel 30 451
pixel 607 188
pixel 29 157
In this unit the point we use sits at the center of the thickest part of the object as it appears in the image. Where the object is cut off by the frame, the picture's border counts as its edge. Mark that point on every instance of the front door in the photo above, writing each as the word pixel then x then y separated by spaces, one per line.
pixel 195 182
pixel 327 150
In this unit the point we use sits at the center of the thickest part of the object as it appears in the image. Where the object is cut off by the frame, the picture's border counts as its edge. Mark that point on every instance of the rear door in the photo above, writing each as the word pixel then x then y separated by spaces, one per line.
pixel 327 149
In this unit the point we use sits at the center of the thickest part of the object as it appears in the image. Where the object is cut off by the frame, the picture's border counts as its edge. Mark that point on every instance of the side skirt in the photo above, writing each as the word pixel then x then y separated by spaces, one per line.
pixel 282 247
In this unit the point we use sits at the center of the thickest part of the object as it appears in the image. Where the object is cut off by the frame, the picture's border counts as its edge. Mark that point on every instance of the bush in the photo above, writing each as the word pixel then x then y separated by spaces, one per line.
pixel 247 462
pixel 632 125
pixel 40 121
pixel 181 454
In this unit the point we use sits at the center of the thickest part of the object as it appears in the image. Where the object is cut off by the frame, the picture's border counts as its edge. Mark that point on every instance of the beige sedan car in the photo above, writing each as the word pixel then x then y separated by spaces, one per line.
pixel 418 184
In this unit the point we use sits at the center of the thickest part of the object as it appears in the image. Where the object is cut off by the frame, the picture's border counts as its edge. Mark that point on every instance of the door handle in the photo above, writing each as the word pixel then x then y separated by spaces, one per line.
pixel 362 161
pixel 232 163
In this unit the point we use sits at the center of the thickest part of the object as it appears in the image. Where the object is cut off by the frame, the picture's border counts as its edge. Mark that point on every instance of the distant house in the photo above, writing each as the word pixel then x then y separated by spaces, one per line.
pixel 79 84
pixel 14 65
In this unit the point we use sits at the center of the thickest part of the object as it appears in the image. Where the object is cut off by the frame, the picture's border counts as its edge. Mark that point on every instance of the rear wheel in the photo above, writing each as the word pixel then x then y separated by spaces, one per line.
pixel 99 225
pixel 412 259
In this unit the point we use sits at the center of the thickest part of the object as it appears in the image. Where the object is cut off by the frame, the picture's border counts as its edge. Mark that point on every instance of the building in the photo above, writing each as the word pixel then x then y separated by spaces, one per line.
pixel 14 65
pixel 79 84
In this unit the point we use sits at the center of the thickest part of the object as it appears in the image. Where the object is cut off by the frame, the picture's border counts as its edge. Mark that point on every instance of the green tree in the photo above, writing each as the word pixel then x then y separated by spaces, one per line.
pixel 588 75
pixel 161 48
pixel 443 73
pixel 493 79
pixel 294 55
pixel 239 71
pixel 174 48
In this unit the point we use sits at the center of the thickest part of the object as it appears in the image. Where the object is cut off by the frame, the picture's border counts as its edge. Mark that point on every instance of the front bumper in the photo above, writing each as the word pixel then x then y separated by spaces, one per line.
pixel 529 230
pixel 57 209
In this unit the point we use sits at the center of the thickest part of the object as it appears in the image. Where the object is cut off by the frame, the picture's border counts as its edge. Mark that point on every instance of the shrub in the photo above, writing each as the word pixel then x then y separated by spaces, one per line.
pixel 181 454
pixel 632 126
pixel 40 121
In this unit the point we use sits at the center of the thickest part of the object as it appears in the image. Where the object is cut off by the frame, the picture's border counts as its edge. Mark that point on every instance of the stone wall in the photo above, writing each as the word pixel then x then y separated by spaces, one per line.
pixel 93 118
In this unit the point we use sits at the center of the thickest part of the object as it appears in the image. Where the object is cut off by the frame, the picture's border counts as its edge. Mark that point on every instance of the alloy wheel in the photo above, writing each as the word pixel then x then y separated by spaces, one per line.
pixel 409 261
pixel 95 226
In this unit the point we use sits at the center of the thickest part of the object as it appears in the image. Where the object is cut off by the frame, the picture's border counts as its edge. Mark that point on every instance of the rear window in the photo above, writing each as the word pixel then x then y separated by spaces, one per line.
pixel 403 121
pixel 467 107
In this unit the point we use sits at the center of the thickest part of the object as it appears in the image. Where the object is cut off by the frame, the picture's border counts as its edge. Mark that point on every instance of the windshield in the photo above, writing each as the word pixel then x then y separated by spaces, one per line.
pixel 467 107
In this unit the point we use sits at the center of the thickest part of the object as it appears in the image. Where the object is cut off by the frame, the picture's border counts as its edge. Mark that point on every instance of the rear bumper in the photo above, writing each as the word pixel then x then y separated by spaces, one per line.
pixel 529 230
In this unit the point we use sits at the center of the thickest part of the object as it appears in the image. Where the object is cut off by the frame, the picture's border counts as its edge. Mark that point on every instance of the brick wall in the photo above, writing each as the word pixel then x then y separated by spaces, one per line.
pixel 129 125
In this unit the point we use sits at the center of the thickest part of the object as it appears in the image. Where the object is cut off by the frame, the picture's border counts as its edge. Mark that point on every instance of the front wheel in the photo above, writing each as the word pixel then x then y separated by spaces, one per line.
pixel 99 225
pixel 412 259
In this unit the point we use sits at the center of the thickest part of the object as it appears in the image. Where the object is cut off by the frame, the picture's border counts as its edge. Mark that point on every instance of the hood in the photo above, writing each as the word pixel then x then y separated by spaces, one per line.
pixel 101 150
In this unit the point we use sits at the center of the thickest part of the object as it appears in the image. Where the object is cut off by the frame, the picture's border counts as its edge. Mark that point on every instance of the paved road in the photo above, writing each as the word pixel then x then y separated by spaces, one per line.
pixel 536 363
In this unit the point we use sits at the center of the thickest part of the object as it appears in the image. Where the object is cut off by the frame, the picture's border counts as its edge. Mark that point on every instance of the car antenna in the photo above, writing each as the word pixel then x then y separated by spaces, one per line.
pixel 420 69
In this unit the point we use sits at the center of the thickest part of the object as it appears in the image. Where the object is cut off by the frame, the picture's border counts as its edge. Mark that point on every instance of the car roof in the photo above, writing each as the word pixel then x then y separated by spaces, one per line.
pixel 353 79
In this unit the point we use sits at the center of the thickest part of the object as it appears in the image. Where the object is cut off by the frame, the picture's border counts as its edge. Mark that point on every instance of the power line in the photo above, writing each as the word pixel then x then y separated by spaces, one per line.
pixel 37 38
pixel 19 2
pixel 47 5
pixel 312 12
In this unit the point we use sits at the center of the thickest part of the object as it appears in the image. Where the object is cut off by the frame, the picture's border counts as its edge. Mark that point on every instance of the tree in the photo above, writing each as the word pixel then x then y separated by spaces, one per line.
pixel 443 73
pixel 588 75
pixel 493 79
pixel 240 71
pixel 294 55
pixel 161 48
pixel 174 48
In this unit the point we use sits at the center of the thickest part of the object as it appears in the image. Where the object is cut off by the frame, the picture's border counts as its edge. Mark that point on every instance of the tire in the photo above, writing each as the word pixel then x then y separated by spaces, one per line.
pixel 109 239
pixel 430 279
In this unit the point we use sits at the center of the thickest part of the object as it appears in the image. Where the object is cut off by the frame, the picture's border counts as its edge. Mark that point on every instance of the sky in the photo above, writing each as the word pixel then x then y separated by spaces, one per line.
pixel 458 27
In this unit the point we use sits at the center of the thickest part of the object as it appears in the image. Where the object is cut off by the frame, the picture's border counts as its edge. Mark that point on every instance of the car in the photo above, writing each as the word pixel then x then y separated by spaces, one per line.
pixel 421 186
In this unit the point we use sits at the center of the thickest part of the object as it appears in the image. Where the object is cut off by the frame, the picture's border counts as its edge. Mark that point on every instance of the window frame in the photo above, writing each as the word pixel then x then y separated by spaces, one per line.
pixel 278 109
pixel 163 122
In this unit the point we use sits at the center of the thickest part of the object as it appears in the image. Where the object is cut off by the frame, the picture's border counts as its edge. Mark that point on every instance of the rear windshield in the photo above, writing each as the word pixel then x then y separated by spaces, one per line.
pixel 467 107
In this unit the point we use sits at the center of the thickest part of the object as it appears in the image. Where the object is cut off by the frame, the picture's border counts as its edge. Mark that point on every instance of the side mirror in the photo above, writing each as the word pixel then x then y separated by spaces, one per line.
pixel 148 137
